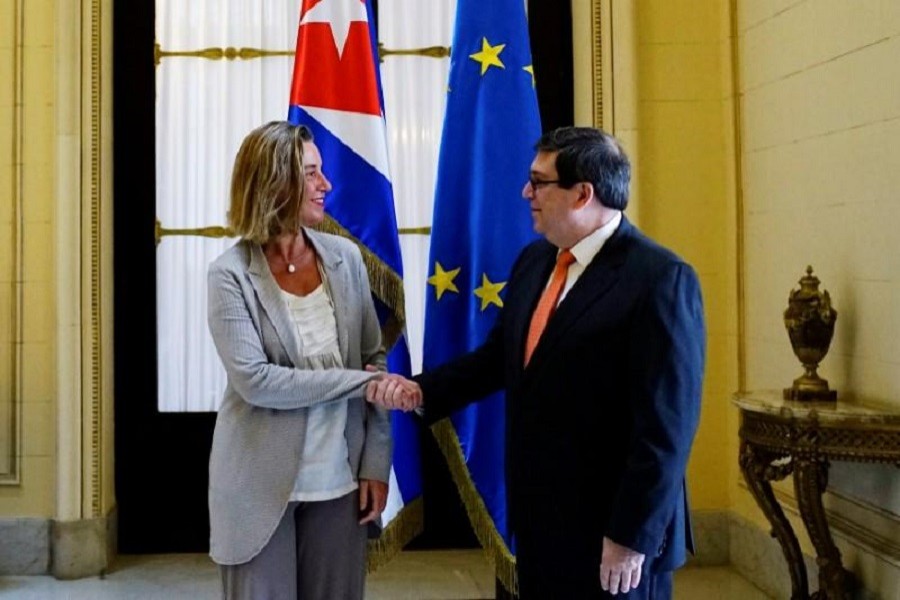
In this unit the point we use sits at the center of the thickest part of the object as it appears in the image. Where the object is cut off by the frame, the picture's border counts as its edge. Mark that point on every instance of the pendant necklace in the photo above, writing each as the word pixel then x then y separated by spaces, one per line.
pixel 290 263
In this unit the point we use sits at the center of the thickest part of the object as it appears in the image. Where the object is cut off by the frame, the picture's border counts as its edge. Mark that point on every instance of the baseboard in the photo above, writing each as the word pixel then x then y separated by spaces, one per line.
pixel 26 546
pixel 86 548
pixel 64 549
pixel 758 557
pixel 80 548
pixel 710 529
pixel 724 538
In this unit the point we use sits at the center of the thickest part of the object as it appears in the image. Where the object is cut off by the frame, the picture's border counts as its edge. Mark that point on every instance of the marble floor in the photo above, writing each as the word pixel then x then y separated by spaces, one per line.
pixel 419 575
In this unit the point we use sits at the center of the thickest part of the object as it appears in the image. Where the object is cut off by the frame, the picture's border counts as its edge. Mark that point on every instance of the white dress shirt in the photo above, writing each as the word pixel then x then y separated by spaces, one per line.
pixel 585 251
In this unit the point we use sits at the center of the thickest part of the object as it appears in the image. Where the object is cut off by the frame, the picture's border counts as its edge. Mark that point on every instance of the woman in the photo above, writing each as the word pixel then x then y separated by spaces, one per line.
pixel 300 462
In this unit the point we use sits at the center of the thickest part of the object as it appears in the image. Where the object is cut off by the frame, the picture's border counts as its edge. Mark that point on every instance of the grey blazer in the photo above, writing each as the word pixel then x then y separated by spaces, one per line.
pixel 261 423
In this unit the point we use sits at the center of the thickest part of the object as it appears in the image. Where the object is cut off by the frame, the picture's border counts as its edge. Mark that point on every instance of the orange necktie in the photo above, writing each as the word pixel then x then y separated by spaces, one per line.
pixel 547 304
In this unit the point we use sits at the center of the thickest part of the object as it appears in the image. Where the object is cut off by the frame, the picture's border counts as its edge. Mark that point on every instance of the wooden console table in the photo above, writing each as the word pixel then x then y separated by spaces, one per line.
pixel 779 437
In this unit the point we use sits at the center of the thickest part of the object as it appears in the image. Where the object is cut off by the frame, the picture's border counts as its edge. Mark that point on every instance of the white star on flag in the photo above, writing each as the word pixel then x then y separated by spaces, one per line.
pixel 339 14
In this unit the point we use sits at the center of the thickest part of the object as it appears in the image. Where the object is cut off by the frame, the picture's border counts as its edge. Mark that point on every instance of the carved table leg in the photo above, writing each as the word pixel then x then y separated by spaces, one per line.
pixel 810 480
pixel 758 471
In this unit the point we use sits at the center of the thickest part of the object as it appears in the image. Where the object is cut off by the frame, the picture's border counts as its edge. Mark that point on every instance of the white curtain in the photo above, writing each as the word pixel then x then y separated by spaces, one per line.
pixel 205 107
pixel 415 92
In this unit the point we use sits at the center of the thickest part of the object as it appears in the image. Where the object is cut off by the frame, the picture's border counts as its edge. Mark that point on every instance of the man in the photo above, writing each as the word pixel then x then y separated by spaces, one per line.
pixel 600 349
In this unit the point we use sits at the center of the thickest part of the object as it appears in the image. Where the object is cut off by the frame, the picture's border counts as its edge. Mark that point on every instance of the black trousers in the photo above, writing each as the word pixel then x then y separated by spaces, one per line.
pixel 555 560
pixel 537 583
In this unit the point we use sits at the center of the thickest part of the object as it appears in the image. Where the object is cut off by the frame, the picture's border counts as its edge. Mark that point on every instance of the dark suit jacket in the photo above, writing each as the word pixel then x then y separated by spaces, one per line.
pixel 609 401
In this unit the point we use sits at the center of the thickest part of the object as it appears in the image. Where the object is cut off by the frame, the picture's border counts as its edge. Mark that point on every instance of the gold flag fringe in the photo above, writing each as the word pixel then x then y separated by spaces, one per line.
pixel 386 284
pixel 490 539
pixel 408 523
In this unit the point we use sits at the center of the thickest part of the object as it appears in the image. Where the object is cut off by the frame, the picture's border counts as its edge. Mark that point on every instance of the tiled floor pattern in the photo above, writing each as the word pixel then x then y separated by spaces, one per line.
pixel 421 575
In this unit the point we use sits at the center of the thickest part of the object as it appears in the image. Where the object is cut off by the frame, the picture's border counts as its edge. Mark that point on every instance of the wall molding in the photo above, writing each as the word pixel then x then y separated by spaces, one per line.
pixel 93 280
pixel 870 529
pixel 11 469
pixel 866 536
pixel 597 23
pixel 602 75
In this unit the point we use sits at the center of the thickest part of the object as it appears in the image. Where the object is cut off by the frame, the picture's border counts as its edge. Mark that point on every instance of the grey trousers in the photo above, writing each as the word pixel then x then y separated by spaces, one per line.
pixel 318 552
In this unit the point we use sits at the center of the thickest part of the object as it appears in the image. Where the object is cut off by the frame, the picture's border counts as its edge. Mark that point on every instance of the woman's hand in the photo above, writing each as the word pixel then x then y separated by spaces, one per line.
pixel 372 499
pixel 392 391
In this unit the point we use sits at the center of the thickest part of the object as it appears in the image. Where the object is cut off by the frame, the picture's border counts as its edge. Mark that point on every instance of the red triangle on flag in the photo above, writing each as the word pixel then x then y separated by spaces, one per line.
pixel 326 77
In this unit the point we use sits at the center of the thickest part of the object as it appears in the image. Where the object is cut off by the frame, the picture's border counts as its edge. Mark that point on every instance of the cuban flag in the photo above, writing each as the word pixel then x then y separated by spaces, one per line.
pixel 336 92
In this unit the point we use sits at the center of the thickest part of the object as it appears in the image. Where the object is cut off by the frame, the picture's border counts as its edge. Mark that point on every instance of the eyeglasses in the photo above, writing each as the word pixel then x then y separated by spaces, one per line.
pixel 537 183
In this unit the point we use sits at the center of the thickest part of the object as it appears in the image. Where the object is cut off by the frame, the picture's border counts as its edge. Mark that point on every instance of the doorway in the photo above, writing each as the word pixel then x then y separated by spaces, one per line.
pixel 162 458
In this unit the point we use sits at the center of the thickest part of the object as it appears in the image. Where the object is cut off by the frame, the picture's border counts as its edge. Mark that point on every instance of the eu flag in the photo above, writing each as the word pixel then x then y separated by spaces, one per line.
pixel 480 224
pixel 336 92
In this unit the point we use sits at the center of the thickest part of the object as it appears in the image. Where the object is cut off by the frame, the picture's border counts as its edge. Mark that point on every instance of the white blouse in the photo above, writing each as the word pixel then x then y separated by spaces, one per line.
pixel 324 472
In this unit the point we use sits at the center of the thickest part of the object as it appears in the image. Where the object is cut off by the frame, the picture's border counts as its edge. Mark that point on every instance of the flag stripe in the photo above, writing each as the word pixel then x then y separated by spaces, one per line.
pixel 336 93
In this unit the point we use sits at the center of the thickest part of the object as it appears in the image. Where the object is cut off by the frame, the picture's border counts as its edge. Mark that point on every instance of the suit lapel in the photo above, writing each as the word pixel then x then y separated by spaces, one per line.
pixel 269 295
pixel 597 280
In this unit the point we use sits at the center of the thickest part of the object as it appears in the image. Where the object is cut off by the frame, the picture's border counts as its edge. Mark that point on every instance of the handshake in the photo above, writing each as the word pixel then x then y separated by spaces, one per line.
pixel 392 391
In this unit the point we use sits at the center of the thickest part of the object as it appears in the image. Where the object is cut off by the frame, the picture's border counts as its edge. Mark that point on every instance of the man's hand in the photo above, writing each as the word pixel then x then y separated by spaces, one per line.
pixel 372 499
pixel 620 568
pixel 393 392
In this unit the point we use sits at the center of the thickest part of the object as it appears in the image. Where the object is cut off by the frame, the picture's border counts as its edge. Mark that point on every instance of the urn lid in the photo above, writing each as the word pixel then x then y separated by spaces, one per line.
pixel 809 297
pixel 809 283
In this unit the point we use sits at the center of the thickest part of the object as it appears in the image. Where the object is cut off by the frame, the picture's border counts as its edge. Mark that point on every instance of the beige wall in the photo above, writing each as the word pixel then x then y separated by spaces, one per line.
pixel 7 245
pixel 683 128
pixel 670 103
pixel 821 172
pixel 821 123
pixel 26 220
pixel 55 270
pixel 764 138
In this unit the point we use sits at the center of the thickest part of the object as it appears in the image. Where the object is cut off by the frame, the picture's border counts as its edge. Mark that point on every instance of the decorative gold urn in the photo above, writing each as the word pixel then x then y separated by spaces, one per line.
pixel 809 319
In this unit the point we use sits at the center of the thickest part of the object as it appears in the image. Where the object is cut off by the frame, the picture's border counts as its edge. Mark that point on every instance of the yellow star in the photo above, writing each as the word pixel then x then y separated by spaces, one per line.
pixel 489 292
pixel 443 280
pixel 489 56
pixel 530 69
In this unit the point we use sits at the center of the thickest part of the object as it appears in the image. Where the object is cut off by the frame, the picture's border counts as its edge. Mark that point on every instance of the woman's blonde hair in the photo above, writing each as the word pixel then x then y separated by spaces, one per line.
pixel 267 183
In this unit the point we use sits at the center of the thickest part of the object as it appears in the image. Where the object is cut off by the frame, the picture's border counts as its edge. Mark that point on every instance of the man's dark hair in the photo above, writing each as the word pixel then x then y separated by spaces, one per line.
pixel 590 155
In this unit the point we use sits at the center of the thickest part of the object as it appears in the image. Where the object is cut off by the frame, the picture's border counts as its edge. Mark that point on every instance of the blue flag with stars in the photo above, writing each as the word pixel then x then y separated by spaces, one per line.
pixel 481 223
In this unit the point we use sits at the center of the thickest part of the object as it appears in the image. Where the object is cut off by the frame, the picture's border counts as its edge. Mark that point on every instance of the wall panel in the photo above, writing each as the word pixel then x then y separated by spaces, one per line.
pixel 10 239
